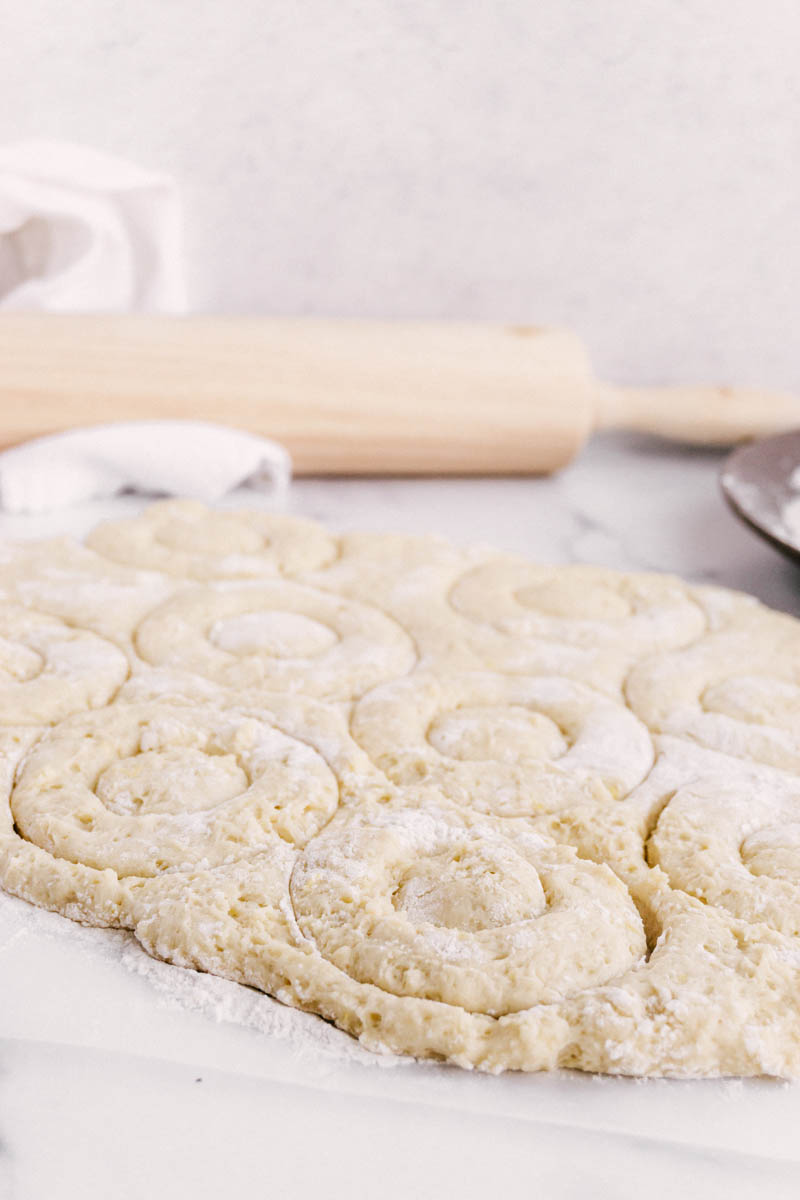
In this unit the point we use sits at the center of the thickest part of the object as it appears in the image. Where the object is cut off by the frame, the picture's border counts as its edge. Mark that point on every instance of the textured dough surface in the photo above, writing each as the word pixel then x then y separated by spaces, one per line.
pixel 184 538
pixel 276 635
pixel 464 806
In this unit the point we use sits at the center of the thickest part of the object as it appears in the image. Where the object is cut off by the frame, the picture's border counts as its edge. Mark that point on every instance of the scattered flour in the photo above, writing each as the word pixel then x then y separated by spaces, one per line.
pixel 224 1000
pixel 182 988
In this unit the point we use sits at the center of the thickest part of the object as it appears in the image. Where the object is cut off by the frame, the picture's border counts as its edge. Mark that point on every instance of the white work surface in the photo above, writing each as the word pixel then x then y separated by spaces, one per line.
pixel 110 1087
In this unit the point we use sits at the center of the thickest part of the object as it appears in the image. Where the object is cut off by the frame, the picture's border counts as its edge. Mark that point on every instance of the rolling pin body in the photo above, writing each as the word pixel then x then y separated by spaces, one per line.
pixel 351 397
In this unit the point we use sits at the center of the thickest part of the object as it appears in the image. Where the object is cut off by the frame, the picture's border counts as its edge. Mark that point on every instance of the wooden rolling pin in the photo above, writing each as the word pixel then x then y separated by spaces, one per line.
pixel 357 397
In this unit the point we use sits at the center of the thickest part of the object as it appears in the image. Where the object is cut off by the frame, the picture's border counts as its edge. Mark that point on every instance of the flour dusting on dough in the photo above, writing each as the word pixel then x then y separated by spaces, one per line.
pixel 459 805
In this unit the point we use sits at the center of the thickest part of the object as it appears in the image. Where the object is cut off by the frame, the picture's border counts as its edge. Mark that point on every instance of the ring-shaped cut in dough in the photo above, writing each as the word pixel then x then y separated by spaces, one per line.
pixel 737 690
pixel 237 921
pixel 503 744
pixel 49 670
pixel 84 894
pixel 185 538
pixel 412 578
pixel 420 902
pixel 631 614
pixel 146 788
pixel 65 579
pixel 276 635
pixel 734 842
pixel 716 996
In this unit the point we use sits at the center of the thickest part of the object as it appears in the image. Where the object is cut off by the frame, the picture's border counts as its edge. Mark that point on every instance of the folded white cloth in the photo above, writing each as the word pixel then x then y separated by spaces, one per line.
pixel 181 458
pixel 82 231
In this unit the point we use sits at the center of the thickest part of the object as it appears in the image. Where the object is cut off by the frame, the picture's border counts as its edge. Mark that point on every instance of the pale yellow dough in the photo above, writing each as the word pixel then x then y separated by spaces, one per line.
pixel 49 670
pixel 276 635
pixel 184 538
pixel 512 816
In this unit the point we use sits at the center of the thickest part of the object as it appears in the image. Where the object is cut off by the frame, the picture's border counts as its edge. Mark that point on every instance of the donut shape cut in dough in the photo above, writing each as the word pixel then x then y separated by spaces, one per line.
pixel 49 670
pixel 737 690
pixel 420 902
pixel 276 635
pixel 503 744
pixel 678 1009
pixel 733 841
pixel 716 996
pixel 628 614
pixel 65 579
pixel 146 788
pixel 93 897
pixel 412 579
pixel 237 921
pixel 187 539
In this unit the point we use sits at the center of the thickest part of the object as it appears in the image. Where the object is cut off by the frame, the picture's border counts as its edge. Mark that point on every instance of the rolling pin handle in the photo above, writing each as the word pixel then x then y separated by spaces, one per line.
pixel 712 416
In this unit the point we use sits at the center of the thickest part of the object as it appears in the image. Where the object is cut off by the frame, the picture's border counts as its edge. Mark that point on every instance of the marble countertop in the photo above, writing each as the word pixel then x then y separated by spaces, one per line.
pixel 108 1086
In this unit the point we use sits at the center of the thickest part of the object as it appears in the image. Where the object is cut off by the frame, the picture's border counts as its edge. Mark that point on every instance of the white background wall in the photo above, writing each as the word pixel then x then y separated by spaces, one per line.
pixel 628 167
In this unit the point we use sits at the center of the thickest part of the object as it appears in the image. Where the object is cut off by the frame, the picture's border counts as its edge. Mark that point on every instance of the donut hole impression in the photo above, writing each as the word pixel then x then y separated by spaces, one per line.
pixel 172 781
pixel 275 634
pixel 503 734
pixel 464 891
pixel 586 601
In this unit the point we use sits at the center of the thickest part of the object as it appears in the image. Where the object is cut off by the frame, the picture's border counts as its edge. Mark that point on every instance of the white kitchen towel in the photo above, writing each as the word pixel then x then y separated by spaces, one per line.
pixel 82 231
pixel 181 458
